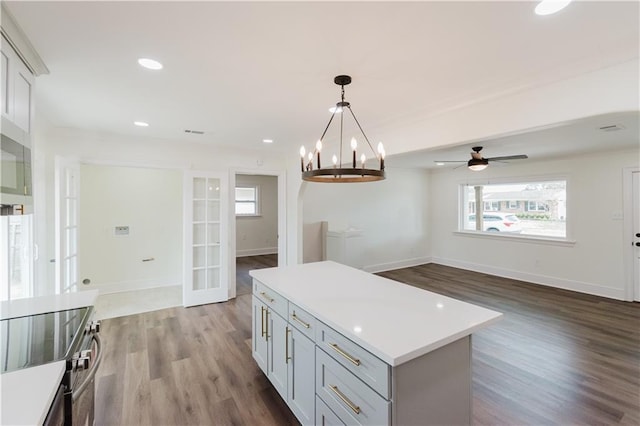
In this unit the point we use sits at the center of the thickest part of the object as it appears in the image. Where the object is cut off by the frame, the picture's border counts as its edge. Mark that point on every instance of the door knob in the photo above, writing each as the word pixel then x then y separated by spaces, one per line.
pixel 638 235
pixel 637 244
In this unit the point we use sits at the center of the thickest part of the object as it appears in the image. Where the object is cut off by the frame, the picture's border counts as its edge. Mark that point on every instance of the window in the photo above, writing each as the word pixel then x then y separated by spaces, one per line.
pixel 16 260
pixel 491 206
pixel 247 201
pixel 536 208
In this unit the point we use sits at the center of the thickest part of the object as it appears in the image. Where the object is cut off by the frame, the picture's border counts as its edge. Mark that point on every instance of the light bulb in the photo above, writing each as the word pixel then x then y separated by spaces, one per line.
pixel 302 151
pixel 380 148
pixel 354 144
pixel 363 158
pixel 334 159
pixel 319 145
pixel 310 157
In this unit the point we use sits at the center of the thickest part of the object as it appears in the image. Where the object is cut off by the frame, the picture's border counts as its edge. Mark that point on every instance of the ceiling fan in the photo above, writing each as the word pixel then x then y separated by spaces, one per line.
pixel 478 162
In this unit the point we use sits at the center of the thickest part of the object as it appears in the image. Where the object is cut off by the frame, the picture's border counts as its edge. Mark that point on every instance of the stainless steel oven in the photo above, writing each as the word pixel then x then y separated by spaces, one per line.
pixel 68 335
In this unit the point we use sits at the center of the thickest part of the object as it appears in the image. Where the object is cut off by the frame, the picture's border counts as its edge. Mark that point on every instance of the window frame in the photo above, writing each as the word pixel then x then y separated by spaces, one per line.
pixel 255 201
pixel 462 214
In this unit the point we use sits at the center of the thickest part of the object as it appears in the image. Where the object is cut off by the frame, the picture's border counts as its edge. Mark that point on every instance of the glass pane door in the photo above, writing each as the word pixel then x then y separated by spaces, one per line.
pixel 205 281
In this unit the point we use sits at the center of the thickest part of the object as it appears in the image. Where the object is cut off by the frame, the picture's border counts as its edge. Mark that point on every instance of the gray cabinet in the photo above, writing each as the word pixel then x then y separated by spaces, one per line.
pixel 301 392
pixel 284 353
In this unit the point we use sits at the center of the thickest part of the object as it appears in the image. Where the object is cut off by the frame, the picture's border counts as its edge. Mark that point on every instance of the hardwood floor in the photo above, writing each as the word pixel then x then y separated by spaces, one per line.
pixel 557 357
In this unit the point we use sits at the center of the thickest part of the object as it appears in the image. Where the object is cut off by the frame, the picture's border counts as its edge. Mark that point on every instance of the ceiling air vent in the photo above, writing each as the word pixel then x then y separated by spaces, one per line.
pixel 195 132
pixel 611 128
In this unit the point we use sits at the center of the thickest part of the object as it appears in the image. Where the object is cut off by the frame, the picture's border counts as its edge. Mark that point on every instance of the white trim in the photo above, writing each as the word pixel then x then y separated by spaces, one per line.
pixel 627 205
pixel 532 239
pixel 21 44
pixel 389 266
pixel 132 285
pixel 578 286
pixel 257 252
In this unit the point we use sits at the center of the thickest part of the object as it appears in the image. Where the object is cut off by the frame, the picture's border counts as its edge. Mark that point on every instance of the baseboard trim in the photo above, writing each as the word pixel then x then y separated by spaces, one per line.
pixel 121 286
pixel 257 252
pixel 549 281
pixel 390 266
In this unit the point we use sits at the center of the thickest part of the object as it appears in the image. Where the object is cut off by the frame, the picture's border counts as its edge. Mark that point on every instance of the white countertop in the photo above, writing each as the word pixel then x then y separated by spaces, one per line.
pixel 394 321
pixel 43 304
pixel 27 394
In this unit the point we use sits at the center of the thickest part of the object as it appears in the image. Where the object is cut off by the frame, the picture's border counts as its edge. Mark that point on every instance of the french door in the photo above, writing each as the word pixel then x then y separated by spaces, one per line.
pixel 206 278
pixel 67 206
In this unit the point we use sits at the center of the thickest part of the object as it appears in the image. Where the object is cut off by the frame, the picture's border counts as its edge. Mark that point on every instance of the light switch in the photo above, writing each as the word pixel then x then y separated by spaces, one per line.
pixel 122 230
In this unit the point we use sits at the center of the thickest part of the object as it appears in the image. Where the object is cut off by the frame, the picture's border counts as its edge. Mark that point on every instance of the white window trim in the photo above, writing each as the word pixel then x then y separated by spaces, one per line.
pixel 559 241
pixel 258 212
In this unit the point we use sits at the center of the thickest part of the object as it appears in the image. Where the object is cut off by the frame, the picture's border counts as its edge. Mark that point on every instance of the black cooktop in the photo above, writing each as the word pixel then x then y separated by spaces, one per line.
pixel 39 339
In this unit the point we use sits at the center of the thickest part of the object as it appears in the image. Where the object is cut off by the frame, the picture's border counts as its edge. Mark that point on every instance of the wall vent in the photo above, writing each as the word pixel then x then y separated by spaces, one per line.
pixel 195 132
pixel 612 128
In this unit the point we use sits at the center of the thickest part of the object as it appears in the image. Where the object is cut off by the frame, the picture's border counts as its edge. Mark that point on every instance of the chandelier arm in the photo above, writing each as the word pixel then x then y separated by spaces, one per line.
pixel 327 128
pixel 362 131
pixel 341 127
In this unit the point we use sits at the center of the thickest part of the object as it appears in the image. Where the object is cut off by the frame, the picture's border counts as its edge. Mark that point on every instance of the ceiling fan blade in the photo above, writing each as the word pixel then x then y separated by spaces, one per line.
pixel 508 157
pixel 450 161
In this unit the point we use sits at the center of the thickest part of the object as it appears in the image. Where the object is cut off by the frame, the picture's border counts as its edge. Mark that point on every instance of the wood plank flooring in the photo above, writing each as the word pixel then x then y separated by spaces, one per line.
pixel 557 357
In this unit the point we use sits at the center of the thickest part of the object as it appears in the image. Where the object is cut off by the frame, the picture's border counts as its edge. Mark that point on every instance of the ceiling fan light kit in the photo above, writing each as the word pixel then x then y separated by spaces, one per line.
pixel 478 162
pixel 338 172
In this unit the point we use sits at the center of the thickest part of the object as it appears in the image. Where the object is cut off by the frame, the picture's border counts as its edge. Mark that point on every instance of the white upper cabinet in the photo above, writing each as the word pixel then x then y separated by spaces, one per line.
pixel 17 89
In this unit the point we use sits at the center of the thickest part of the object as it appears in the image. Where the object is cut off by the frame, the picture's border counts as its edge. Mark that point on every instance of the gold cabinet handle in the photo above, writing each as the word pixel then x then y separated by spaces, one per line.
pixel 286 345
pixel 354 361
pixel 304 324
pixel 267 297
pixel 266 329
pixel 262 319
pixel 344 399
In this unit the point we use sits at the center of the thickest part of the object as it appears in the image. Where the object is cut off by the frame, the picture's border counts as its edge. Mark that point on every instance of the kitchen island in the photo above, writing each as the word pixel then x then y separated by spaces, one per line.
pixel 343 346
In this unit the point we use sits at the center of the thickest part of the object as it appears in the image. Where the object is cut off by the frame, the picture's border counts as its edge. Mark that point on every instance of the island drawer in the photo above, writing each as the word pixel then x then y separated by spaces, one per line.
pixel 349 398
pixel 369 368
pixel 270 298
pixel 324 415
pixel 302 320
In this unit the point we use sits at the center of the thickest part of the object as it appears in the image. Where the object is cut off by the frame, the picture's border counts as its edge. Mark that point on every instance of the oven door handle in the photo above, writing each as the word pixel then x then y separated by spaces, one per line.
pixel 78 392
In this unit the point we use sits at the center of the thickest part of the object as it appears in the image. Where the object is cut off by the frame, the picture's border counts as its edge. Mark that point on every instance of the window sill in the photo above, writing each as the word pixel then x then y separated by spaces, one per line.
pixel 532 239
pixel 248 215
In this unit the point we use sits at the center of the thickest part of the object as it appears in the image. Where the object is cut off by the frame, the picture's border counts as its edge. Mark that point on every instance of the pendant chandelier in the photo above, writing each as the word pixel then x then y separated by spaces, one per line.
pixel 338 172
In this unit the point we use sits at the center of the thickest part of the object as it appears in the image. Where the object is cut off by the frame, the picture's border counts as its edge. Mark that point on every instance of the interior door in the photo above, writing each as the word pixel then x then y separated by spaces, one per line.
pixel 67 204
pixel 206 231
pixel 636 234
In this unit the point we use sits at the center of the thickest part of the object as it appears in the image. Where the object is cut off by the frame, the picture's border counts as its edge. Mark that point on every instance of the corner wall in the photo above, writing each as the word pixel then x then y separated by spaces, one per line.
pixel 392 215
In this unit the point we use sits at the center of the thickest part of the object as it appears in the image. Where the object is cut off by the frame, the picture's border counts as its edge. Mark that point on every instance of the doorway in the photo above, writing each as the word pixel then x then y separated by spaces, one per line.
pixel 631 238
pixel 257 221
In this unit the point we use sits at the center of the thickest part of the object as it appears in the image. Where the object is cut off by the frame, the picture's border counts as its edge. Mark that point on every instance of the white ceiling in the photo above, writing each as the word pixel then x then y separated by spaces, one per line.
pixel 244 71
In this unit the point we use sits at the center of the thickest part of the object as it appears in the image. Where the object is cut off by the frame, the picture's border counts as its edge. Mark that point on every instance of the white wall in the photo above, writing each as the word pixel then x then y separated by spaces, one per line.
pixel 259 234
pixel 594 264
pixel 392 215
pixel 149 202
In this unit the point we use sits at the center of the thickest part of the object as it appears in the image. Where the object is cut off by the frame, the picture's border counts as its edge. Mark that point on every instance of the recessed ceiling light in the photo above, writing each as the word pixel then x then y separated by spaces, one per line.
pixel 141 124
pixel 267 140
pixel 150 63
pixel 548 7
pixel 439 164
